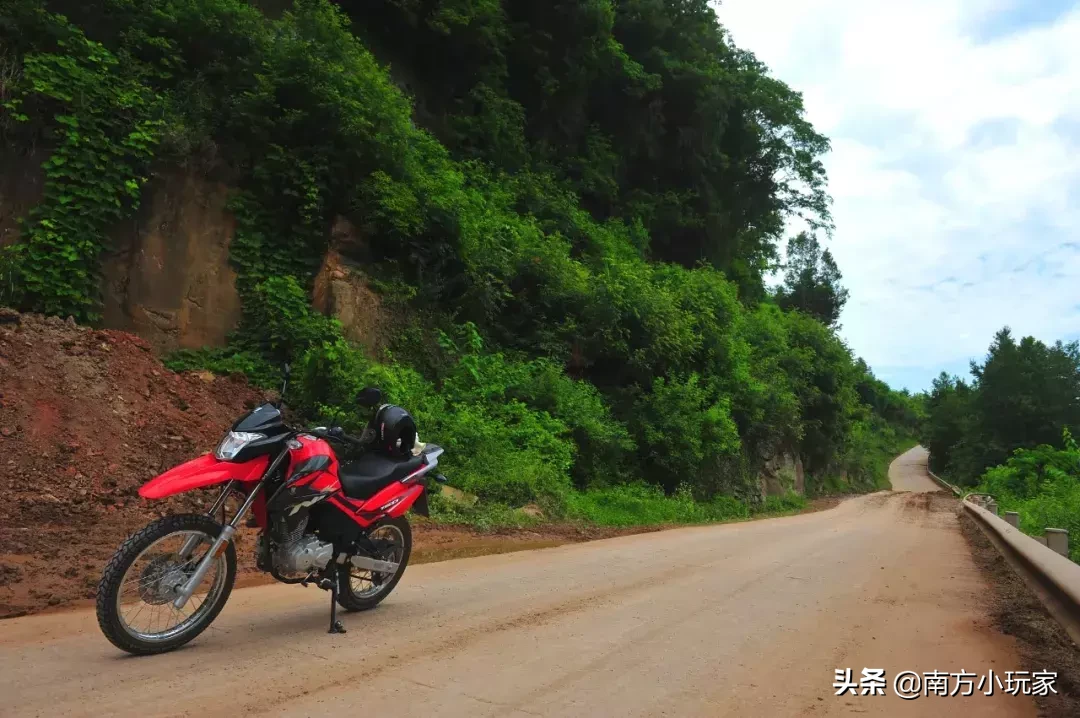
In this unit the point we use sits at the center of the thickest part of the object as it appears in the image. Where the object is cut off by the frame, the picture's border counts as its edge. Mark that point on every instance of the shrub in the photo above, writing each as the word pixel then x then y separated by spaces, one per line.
pixel 254 366
pixel 681 426
pixel 502 451
pixel 1043 486
pixel 279 321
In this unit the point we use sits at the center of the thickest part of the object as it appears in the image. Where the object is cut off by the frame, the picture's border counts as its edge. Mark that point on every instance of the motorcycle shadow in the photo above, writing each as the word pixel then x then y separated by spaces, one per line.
pixel 237 632
pixel 312 620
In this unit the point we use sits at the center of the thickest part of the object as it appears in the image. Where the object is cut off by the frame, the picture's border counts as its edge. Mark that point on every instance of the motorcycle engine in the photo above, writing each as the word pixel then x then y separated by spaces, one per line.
pixel 303 555
pixel 295 552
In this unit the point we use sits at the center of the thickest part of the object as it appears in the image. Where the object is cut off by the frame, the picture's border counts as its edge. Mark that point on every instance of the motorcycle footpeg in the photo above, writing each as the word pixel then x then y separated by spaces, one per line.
pixel 326 584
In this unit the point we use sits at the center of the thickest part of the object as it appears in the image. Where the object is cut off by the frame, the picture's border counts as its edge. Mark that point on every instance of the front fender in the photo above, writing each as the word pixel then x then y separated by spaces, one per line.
pixel 201 472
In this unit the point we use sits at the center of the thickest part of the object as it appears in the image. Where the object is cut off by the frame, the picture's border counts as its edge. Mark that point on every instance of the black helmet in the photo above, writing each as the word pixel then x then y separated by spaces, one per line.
pixel 395 430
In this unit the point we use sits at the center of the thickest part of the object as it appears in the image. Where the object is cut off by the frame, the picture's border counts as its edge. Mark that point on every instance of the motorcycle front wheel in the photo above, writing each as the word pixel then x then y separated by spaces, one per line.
pixel 135 597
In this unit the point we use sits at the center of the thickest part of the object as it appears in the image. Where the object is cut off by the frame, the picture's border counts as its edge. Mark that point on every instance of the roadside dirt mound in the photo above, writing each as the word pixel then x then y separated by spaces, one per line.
pixel 86 417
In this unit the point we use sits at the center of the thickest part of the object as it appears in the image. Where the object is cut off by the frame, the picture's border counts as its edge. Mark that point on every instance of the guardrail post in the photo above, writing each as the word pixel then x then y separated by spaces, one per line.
pixel 1058 540
pixel 1013 519
pixel 1040 539
pixel 991 506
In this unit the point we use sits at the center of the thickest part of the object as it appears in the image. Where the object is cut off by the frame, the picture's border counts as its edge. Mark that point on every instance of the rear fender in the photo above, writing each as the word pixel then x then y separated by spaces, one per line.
pixel 420 506
pixel 395 499
pixel 202 472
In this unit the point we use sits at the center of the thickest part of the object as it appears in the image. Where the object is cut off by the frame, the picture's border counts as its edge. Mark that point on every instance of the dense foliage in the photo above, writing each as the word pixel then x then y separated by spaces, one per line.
pixel 1009 431
pixel 104 130
pixel 581 202
pixel 1043 486
pixel 644 109
pixel 812 280
pixel 1021 396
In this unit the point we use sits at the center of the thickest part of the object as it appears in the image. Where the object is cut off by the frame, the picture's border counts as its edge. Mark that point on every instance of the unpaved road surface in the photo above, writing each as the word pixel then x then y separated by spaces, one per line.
pixel 908 472
pixel 746 619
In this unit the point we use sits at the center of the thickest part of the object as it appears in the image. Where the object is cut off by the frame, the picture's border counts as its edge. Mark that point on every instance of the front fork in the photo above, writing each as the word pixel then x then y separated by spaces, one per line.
pixel 185 592
pixel 195 540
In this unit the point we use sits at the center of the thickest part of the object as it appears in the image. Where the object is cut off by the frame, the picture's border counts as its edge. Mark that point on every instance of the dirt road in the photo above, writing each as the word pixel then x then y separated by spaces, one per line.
pixel 746 619
pixel 908 472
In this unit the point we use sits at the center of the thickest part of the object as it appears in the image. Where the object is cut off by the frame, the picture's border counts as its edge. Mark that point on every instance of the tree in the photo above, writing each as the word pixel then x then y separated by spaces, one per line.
pixel 643 109
pixel 1027 393
pixel 812 280
pixel 947 406
pixel 1024 394
pixel 823 376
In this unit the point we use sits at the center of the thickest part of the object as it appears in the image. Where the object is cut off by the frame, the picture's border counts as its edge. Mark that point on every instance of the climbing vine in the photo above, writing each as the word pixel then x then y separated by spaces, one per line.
pixel 104 127
pixel 280 219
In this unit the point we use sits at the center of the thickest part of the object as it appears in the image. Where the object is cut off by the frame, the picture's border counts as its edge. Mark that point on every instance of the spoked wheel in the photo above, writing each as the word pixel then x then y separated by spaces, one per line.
pixel 135 597
pixel 360 589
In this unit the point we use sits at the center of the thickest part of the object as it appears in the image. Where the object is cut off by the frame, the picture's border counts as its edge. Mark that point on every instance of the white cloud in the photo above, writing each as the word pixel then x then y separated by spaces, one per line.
pixel 955 166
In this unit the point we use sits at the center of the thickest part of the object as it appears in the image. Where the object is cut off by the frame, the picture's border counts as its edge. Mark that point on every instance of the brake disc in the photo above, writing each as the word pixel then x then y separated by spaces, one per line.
pixel 153 588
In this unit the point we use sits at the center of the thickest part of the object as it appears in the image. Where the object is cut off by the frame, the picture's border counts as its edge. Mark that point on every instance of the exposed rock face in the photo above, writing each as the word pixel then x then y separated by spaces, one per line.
pixel 341 291
pixel 783 473
pixel 168 276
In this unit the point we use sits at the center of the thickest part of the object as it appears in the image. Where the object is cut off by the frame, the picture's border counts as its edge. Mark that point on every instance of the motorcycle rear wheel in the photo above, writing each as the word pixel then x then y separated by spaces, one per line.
pixel 156 583
pixel 360 589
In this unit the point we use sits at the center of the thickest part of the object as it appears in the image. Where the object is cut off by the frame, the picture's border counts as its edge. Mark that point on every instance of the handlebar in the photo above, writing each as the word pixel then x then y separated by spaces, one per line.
pixel 334 433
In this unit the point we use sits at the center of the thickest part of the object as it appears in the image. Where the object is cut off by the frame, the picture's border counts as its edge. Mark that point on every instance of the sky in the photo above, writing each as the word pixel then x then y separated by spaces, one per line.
pixel 954 169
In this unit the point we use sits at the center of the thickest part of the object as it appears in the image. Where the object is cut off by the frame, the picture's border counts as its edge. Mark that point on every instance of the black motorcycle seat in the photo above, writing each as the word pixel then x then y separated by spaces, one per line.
pixel 365 477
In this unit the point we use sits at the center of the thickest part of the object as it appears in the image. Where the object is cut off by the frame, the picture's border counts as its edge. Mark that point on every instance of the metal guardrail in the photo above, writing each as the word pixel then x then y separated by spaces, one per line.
pixel 1054 538
pixel 1053 577
pixel 1042 561
pixel 942 482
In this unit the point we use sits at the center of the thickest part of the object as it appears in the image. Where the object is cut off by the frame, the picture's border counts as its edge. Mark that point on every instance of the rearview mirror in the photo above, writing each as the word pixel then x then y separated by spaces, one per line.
pixel 369 397
pixel 285 370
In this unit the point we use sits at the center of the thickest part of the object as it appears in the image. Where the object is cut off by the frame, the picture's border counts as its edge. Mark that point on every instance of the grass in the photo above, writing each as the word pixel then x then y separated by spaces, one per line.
pixel 617 507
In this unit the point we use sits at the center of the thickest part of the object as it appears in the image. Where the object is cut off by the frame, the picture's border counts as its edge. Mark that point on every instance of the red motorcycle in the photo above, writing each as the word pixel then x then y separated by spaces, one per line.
pixel 339 526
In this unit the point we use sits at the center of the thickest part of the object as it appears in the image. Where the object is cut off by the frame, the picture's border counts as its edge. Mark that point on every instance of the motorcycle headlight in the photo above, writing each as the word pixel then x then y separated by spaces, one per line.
pixel 233 442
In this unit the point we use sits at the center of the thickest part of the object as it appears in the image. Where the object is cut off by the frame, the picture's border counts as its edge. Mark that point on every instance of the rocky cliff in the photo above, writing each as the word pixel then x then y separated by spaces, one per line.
pixel 167 276
pixel 782 473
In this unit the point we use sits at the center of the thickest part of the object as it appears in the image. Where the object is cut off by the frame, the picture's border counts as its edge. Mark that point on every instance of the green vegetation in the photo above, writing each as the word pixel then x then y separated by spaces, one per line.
pixel 104 128
pixel 572 217
pixel 644 505
pixel 1022 396
pixel 1009 432
pixel 1043 486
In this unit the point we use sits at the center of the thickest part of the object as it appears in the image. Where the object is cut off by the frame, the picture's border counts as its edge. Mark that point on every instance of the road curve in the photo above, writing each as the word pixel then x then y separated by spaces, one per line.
pixel 908 472
pixel 746 619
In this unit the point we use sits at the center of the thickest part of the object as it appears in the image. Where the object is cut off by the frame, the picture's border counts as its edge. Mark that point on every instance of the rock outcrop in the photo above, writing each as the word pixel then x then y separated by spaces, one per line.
pixel 168 277
pixel 341 290
pixel 782 473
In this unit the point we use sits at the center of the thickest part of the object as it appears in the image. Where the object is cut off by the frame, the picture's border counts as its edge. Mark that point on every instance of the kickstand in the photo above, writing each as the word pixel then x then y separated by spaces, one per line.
pixel 335 624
